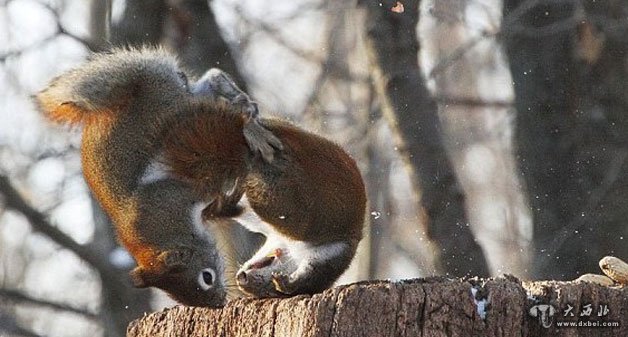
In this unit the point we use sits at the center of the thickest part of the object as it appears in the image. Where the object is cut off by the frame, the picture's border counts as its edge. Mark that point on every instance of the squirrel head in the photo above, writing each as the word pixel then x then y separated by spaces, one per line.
pixel 173 249
pixel 188 276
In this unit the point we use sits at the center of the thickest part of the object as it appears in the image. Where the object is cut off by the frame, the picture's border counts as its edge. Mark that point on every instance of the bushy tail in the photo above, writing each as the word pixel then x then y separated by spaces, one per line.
pixel 105 84
pixel 58 103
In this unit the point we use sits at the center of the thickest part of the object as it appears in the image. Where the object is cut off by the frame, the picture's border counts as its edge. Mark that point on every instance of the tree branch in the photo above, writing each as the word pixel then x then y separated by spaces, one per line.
pixel 13 200
pixel 61 30
pixel 510 26
pixel 473 102
pixel 10 326
pixel 275 34
pixel 17 296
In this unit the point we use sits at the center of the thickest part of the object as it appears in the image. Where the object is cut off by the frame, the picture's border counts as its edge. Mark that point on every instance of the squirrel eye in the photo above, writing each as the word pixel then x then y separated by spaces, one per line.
pixel 206 278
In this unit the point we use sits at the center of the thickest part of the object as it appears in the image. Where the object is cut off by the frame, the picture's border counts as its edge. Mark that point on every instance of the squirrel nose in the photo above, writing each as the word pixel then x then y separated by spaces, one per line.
pixel 242 278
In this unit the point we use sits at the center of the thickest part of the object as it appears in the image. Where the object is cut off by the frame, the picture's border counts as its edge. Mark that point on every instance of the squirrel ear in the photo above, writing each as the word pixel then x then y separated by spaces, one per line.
pixel 176 260
pixel 141 278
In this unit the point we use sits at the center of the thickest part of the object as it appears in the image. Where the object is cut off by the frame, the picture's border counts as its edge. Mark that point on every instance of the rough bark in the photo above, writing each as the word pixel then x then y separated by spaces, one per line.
pixel 568 62
pixel 421 307
pixel 412 114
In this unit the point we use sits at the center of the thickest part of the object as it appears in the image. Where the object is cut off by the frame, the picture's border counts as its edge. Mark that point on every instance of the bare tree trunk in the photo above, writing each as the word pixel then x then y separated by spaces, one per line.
pixel 568 64
pixel 421 308
pixel 99 22
pixel 412 114
pixel 194 33
pixel 187 26
pixel 464 65
pixel 378 185
pixel 142 23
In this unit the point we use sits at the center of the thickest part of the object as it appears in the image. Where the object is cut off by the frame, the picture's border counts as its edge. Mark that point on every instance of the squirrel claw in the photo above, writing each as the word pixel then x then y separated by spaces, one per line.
pixel 257 137
pixel 246 106
pixel 212 209
pixel 261 140
pixel 282 283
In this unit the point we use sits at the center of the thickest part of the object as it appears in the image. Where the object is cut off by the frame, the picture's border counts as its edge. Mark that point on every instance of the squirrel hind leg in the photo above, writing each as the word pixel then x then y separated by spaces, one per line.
pixel 216 83
pixel 318 268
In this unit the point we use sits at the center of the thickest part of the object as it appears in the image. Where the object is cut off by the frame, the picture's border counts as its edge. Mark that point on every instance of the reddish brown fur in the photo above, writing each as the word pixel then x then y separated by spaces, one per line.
pixel 321 186
pixel 207 146
pixel 71 113
pixel 135 105
pixel 98 125
pixel 126 100
pixel 312 192
pixel 64 113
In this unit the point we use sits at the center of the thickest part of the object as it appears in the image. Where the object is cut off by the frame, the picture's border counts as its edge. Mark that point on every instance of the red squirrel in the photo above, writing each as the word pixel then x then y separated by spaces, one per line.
pixel 309 202
pixel 127 101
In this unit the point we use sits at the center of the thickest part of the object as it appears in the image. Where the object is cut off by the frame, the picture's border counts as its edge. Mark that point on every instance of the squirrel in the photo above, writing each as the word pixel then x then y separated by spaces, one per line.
pixel 309 202
pixel 127 99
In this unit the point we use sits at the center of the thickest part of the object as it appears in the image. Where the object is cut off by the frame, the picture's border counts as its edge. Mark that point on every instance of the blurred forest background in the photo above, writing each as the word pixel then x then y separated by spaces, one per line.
pixel 492 135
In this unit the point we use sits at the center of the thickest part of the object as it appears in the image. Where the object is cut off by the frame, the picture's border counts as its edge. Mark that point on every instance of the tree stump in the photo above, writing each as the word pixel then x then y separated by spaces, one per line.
pixel 421 307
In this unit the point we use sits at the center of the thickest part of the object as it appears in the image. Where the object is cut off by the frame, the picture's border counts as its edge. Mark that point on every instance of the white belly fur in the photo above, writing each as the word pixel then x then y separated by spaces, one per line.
pixel 302 252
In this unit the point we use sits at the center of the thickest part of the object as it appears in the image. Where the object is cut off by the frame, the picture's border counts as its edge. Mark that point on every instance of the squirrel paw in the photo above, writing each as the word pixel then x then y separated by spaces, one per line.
pixel 283 284
pixel 261 140
pixel 247 107
pixel 212 210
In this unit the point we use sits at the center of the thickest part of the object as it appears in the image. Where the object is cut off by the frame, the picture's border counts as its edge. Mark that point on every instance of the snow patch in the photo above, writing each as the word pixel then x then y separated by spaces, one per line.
pixel 480 305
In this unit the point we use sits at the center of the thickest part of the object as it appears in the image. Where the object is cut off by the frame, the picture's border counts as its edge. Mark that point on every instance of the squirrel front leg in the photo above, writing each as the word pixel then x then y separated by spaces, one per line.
pixel 295 268
pixel 216 83
pixel 315 265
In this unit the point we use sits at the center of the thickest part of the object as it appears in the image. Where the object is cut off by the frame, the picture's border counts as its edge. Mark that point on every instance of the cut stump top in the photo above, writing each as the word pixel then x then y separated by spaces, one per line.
pixel 420 307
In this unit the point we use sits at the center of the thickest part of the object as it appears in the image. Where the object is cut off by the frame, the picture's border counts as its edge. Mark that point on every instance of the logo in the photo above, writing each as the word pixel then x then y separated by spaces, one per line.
pixel 545 313
pixel 585 315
